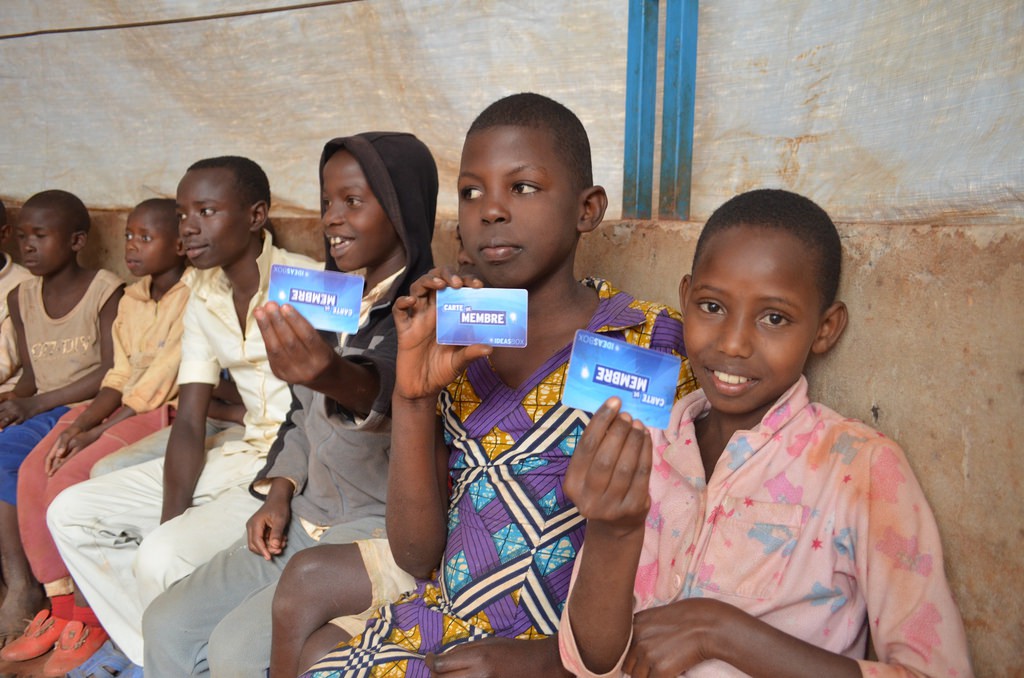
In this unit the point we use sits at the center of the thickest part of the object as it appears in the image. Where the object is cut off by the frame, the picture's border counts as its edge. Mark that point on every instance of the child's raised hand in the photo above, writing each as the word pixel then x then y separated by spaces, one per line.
pixel 424 367
pixel 296 351
pixel 610 470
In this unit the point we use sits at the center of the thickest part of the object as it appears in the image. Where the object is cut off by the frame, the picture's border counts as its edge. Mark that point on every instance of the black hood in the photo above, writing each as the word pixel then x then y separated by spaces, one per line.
pixel 403 176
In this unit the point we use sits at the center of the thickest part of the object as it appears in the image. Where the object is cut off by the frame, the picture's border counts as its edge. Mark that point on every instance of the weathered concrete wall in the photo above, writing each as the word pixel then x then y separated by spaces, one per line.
pixel 933 357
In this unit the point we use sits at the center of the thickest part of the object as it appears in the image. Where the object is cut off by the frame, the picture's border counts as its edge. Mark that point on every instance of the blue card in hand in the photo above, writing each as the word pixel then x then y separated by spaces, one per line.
pixel 644 380
pixel 329 300
pixel 481 316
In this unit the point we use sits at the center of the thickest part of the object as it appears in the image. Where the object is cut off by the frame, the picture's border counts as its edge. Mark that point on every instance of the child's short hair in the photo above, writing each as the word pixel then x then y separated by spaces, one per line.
pixel 250 178
pixel 72 209
pixel 795 214
pixel 164 208
pixel 537 111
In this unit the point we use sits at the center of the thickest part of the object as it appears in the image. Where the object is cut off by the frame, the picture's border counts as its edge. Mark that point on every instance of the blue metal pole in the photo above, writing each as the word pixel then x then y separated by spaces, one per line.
pixel 641 98
pixel 677 109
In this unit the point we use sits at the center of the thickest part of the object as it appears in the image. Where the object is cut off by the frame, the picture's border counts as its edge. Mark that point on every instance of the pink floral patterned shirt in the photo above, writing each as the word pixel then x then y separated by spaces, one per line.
pixel 812 523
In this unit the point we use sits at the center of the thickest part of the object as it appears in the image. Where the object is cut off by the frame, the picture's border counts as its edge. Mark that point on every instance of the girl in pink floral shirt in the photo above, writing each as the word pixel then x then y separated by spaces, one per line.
pixel 764 534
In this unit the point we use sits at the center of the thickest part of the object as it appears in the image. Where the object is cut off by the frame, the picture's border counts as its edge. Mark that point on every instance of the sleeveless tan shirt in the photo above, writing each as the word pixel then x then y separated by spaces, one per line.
pixel 63 350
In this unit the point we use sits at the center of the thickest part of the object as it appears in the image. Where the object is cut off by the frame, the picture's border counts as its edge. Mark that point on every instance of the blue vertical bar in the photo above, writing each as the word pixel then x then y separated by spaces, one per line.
pixel 641 99
pixel 677 109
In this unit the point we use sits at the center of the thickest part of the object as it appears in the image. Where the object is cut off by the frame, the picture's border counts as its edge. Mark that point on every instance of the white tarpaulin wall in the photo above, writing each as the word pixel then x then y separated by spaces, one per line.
pixel 881 111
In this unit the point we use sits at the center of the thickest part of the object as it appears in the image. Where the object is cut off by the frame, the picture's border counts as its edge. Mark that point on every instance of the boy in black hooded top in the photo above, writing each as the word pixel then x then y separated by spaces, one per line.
pixel 326 475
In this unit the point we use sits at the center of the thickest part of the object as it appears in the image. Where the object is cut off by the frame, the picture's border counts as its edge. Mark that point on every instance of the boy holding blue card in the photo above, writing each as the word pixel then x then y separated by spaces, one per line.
pixel 325 481
pixel 494 553
pixel 760 533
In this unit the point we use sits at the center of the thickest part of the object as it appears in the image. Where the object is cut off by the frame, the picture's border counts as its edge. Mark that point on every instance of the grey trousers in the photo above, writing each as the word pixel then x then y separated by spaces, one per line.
pixel 218 619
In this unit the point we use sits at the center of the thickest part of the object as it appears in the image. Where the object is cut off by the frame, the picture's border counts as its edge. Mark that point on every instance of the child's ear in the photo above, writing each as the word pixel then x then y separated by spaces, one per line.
pixel 78 239
pixel 593 203
pixel 684 289
pixel 179 248
pixel 258 216
pixel 833 322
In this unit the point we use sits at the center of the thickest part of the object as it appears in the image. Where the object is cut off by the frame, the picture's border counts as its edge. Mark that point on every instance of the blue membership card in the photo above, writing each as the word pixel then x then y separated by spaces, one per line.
pixel 329 300
pixel 644 380
pixel 481 316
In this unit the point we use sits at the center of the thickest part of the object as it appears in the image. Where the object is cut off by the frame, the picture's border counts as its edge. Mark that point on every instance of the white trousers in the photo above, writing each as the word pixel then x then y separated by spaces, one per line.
pixel 108 531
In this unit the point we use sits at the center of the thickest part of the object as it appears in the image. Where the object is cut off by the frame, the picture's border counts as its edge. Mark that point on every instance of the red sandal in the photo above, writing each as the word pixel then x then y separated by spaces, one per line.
pixel 39 637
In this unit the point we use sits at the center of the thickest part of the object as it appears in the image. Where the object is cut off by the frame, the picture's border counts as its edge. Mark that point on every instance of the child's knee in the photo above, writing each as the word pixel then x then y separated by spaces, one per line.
pixel 290 592
pixel 240 644
pixel 157 566
pixel 64 511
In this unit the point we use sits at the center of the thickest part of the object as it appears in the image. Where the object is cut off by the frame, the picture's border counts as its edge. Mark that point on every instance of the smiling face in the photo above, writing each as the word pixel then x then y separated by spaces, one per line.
pixel 151 244
pixel 45 240
pixel 520 212
pixel 752 311
pixel 216 227
pixel 357 228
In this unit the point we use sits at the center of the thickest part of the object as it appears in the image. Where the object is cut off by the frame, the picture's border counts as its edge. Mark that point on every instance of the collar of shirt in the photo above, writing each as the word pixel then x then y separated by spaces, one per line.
pixel 744 444
pixel 205 283
pixel 370 299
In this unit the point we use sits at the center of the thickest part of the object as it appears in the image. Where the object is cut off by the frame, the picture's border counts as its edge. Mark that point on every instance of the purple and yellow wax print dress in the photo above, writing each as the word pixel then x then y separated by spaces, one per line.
pixel 512 534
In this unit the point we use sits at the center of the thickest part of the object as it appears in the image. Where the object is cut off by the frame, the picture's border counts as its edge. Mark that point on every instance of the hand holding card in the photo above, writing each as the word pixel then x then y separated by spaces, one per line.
pixel 496 317
pixel 329 300
pixel 644 380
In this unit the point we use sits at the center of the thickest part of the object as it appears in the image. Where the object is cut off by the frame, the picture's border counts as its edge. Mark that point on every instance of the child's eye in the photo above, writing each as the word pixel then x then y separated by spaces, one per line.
pixel 206 212
pixel 710 307
pixel 353 201
pixel 524 189
pixel 470 193
pixel 128 236
pixel 775 319
pixel 146 238
pixel 181 216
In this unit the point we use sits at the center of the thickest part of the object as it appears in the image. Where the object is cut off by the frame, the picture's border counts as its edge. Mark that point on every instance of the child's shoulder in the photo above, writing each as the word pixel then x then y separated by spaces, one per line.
pixel 12 274
pixel 645 323
pixel 848 444
pixel 105 279
pixel 279 255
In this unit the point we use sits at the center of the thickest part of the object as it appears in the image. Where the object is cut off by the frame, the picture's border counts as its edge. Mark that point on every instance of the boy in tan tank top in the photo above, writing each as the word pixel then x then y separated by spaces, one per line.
pixel 63 318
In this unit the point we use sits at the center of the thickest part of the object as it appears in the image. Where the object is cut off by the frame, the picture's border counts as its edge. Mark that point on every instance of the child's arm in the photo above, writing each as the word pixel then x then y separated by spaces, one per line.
pixel 299 355
pixel 417 514
pixel 608 480
pixel 186 451
pixel 26 385
pixel 27 405
pixel 495 657
pixel 226 402
pixel 89 425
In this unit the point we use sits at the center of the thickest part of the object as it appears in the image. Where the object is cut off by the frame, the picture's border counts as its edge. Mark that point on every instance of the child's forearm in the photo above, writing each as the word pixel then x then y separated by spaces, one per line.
pixel 186 450
pixel 103 405
pixel 763 650
pixel 80 390
pixel 355 387
pixel 601 600
pixel 417 488
pixel 183 464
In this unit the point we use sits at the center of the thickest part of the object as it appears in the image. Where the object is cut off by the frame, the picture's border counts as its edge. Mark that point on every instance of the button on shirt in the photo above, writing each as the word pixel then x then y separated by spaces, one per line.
pixel 213 340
